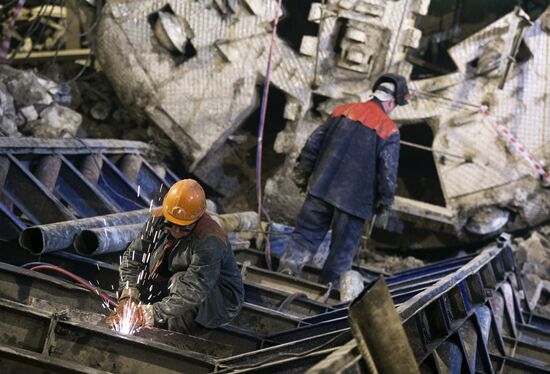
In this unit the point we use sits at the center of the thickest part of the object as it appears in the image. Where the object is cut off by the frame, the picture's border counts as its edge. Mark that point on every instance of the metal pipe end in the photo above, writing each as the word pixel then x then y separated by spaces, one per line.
pixel 33 240
pixel 86 243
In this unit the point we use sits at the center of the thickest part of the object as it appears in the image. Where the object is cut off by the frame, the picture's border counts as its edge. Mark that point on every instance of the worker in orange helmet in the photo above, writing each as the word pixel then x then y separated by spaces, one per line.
pixel 180 273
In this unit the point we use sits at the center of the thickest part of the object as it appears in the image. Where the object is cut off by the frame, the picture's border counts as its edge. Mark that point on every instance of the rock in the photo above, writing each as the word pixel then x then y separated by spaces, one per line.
pixel 101 110
pixel 533 257
pixel 390 264
pixel 55 121
pixel 8 127
pixel 29 113
pixel 26 88
pixel 6 102
pixel 8 115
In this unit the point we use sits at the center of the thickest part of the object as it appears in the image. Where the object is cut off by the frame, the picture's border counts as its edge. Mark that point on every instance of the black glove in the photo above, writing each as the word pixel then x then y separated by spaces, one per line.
pixel 300 178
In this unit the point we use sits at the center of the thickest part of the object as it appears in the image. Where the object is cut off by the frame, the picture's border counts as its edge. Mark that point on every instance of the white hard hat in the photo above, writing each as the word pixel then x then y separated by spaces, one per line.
pixel 385 92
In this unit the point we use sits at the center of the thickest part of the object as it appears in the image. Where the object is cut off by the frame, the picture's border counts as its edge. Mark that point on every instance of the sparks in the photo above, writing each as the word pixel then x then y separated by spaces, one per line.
pixel 127 323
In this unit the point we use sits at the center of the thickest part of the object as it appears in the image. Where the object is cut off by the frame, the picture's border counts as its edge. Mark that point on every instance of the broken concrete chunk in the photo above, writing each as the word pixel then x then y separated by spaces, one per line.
pixel 26 89
pixel 29 112
pixel 308 47
pixel 8 127
pixel 487 220
pixel 55 121
pixel 101 110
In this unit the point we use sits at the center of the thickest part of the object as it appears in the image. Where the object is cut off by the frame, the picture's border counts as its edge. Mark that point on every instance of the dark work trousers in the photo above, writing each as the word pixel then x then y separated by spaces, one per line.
pixel 186 323
pixel 314 221
pixel 155 290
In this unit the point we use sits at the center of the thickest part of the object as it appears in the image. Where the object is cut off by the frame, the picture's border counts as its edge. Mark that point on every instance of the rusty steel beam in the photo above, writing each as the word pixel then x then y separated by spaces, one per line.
pixel 283 282
pixel 36 331
pixel 47 170
pixel 264 321
pixel 309 273
pixel 70 146
pixel 16 360
pixel 295 304
pixel 378 331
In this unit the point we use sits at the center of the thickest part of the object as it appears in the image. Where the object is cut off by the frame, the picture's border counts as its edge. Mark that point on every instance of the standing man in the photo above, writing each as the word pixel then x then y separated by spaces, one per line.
pixel 180 273
pixel 352 161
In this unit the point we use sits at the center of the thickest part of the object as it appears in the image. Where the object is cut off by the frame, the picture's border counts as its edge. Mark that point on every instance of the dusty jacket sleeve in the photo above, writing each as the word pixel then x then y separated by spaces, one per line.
pixel 387 163
pixel 132 261
pixel 188 289
pixel 308 155
pixel 129 268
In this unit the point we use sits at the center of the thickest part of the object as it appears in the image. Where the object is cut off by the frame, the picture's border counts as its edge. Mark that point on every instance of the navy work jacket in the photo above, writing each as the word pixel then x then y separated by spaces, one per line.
pixel 353 159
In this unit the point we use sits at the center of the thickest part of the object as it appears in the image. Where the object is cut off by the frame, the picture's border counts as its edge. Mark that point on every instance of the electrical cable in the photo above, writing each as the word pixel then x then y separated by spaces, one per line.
pixel 89 61
pixel 78 279
pixel 34 263
pixel 37 21
pixel 261 126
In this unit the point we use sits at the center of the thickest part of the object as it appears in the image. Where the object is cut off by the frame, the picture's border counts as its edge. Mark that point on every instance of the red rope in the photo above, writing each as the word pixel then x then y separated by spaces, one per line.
pixel 75 277
pixel 261 127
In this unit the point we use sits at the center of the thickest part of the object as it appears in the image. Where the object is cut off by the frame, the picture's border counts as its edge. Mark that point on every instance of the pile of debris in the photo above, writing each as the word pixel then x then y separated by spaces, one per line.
pixel 533 257
pixel 34 106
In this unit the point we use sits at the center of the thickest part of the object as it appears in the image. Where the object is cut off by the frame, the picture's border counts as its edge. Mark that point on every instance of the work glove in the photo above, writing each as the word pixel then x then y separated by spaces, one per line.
pixel 141 314
pixel 300 178
pixel 129 304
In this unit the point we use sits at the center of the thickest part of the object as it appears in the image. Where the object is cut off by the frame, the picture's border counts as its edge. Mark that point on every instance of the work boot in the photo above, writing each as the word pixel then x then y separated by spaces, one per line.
pixel 286 271
pixel 289 268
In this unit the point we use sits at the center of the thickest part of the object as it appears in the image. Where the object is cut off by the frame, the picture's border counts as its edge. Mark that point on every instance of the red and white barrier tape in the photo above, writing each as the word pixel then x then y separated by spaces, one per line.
pixel 513 142
pixel 5 47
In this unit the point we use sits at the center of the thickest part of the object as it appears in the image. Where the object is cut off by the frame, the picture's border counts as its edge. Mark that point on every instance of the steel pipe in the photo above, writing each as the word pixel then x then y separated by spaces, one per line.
pixel 101 240
pixel 115 238
pixel 47 170
pixel 60 235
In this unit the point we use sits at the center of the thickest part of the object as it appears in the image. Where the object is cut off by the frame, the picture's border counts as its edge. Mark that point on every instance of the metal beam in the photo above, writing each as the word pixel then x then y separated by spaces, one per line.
pixel 15 360
pixel 70 146
pixel 44 56
pixel 30 196
pixel 29 329
pixel 309 273
pixel 314 291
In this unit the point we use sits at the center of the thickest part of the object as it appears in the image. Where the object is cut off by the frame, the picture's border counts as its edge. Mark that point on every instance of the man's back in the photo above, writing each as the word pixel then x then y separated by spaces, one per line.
pixel 360 146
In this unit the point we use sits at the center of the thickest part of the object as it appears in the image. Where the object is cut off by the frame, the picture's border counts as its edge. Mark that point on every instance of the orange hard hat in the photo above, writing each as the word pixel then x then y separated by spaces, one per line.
pixel 184 203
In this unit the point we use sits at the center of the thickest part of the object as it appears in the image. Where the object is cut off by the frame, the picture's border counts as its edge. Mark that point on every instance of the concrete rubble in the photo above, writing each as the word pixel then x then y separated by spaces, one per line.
pixel 204 96
pixel 533 256
pixel 30 106
pixel 185 76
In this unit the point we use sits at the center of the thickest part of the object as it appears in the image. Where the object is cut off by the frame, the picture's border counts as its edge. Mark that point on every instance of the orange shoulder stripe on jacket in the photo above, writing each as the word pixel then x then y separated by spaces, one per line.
pixel 369 114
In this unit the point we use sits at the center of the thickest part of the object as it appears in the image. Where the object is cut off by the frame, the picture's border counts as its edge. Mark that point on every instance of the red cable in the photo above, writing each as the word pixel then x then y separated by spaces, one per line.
pixel 82 281
pixel 263 111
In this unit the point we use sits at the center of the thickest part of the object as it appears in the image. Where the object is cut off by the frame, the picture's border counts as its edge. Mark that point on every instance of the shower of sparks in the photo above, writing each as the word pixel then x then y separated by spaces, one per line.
pixel 127 323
